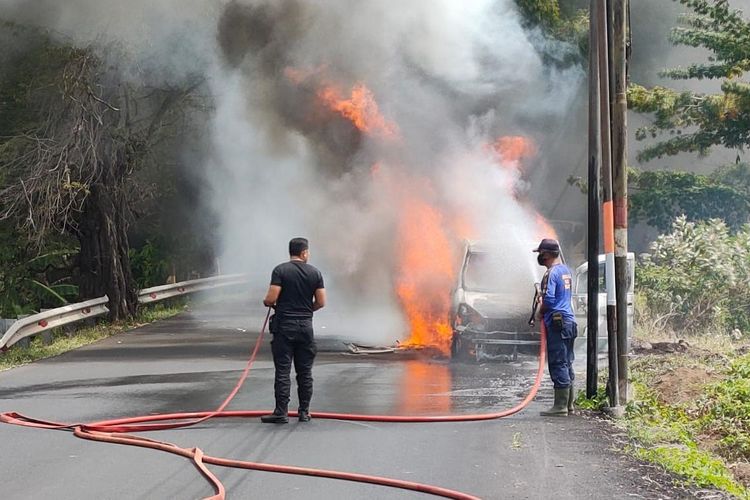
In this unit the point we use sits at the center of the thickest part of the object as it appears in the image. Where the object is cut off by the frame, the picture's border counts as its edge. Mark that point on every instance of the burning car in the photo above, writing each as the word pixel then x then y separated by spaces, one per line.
pixel 492 304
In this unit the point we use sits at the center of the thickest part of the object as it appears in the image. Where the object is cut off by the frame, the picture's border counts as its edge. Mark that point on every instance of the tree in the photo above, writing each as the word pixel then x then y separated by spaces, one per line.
pixel 658 197
pixel 542 12
pixel 563 22
pixel 81 130
pixel 695 121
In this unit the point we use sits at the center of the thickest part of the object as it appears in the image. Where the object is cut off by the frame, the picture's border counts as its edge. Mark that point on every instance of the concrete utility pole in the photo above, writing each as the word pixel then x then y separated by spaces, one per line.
pixel 607 206
pixel 592 301
pixel 619 19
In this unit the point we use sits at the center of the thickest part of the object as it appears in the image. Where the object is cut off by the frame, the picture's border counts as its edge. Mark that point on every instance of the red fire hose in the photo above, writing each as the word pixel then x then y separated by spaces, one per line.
pixel 114 431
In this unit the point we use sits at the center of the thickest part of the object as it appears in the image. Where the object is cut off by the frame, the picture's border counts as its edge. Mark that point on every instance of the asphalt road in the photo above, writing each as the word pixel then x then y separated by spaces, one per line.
pixel 190 362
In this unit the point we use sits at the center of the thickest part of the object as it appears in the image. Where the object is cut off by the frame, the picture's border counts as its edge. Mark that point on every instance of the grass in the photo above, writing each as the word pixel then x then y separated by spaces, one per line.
pixel 724 411
pixel 38 349
pixel 669 436
pixel 597 403
pixel 697 466
pixel 695 438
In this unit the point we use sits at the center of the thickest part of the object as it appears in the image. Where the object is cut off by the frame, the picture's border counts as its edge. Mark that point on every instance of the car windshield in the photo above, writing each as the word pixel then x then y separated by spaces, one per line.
pixel 486 272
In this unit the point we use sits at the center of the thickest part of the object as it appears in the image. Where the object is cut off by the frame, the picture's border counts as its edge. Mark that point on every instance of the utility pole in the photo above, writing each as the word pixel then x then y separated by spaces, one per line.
pixel 620 186
pixel 592 299
pixel 603 40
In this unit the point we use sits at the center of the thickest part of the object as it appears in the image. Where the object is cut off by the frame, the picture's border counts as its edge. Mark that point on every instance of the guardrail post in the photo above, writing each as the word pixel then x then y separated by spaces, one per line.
pixel 70 329
pixel 5 324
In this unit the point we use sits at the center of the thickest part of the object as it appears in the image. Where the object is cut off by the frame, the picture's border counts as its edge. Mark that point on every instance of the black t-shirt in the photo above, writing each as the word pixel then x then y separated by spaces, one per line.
pixel 298 281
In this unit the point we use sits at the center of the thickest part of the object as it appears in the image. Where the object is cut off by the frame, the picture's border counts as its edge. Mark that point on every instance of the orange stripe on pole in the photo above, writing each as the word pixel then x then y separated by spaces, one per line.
pixel 608 215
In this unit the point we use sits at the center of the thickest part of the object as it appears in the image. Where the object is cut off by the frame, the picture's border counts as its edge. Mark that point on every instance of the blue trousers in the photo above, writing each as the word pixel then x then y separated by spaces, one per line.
pixel 560 354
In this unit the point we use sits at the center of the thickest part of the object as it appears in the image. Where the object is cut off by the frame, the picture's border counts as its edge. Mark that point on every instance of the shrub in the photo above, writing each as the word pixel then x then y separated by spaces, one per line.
pixel 696 277
pixel 149 265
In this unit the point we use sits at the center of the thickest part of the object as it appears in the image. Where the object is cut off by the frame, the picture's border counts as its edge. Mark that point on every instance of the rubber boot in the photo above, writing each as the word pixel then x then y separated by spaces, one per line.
pixel 560 407
pixel 571 399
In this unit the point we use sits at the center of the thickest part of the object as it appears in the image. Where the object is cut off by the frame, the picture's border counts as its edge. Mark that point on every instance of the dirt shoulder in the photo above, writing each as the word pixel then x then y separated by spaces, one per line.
pixel 691 412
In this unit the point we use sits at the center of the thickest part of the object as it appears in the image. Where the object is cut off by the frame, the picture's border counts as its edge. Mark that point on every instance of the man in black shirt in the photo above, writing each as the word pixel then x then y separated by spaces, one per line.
pixel 296 292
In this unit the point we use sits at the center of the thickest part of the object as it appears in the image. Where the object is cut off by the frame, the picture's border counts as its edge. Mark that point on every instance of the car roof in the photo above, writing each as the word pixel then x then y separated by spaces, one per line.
pixel 603 257
pixel 475 246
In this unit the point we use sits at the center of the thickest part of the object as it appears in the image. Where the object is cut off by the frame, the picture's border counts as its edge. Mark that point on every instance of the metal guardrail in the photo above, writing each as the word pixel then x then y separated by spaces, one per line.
pixel 157 293
pixel 37 323
pixel 72 313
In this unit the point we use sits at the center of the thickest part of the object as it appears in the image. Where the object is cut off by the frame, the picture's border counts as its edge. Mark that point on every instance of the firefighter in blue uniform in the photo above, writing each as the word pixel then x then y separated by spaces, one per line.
pixel 557 312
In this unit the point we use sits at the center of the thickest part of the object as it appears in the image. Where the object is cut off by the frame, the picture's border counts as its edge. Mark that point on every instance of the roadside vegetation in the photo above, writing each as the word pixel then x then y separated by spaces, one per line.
pixel 690 368
pixel 61 342
pixel 691 414
pixel 88 141
pixel 690 365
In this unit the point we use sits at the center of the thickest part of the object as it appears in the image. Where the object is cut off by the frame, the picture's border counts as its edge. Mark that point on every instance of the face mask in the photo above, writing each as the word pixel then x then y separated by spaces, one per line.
pixel 540 259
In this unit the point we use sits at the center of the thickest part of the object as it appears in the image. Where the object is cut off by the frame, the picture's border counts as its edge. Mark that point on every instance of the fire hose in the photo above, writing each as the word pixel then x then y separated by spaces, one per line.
pixel 117 431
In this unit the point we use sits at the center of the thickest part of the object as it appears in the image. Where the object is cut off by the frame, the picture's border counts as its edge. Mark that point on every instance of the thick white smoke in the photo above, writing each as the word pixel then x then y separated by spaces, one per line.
pixel 451 76
pixel 171 39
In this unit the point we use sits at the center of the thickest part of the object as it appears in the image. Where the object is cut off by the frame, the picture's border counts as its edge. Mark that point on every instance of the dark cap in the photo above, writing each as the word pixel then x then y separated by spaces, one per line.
pixel 548 245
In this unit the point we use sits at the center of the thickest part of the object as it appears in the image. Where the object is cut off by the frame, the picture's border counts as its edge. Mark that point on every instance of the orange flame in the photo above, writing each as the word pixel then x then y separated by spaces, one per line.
pixel 361 109
pixel 544 228
pixel 426 273
pixel 297 75
pixel 514 149
pixel 511 152
pixel 427 257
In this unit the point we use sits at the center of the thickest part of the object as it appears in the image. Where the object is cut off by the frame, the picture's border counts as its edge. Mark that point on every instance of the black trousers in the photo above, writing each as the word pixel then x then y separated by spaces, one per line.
pixel 293 342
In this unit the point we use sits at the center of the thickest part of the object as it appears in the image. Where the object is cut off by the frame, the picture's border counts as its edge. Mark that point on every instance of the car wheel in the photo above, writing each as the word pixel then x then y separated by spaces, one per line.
pixel 461 349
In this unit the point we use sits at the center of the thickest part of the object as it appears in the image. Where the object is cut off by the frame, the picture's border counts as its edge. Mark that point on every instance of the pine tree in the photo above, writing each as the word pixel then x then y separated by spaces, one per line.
pixel 691 121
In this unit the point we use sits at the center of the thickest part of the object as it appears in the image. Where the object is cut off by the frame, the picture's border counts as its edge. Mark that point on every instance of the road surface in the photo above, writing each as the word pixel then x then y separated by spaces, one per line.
pixel 190 362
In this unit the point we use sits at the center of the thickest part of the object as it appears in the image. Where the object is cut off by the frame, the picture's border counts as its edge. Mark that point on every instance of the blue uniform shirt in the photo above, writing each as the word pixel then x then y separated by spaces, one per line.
pixel 558 294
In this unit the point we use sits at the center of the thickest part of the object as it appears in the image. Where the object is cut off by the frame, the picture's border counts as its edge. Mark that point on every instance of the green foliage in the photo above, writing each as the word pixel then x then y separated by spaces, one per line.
pixel 149 265
pixel 694 121
pixel 653 423
pixel 25 71
pixel 17 355
pixel 31 77
pixel 696 277
pixel 598 402
pixel 670 434
pixel 540 12
pixel 30 281
pixel 695 465
pixel 658 197
pixel 724 411
pixel 84 139
pixel 566 25
pixel 715 26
